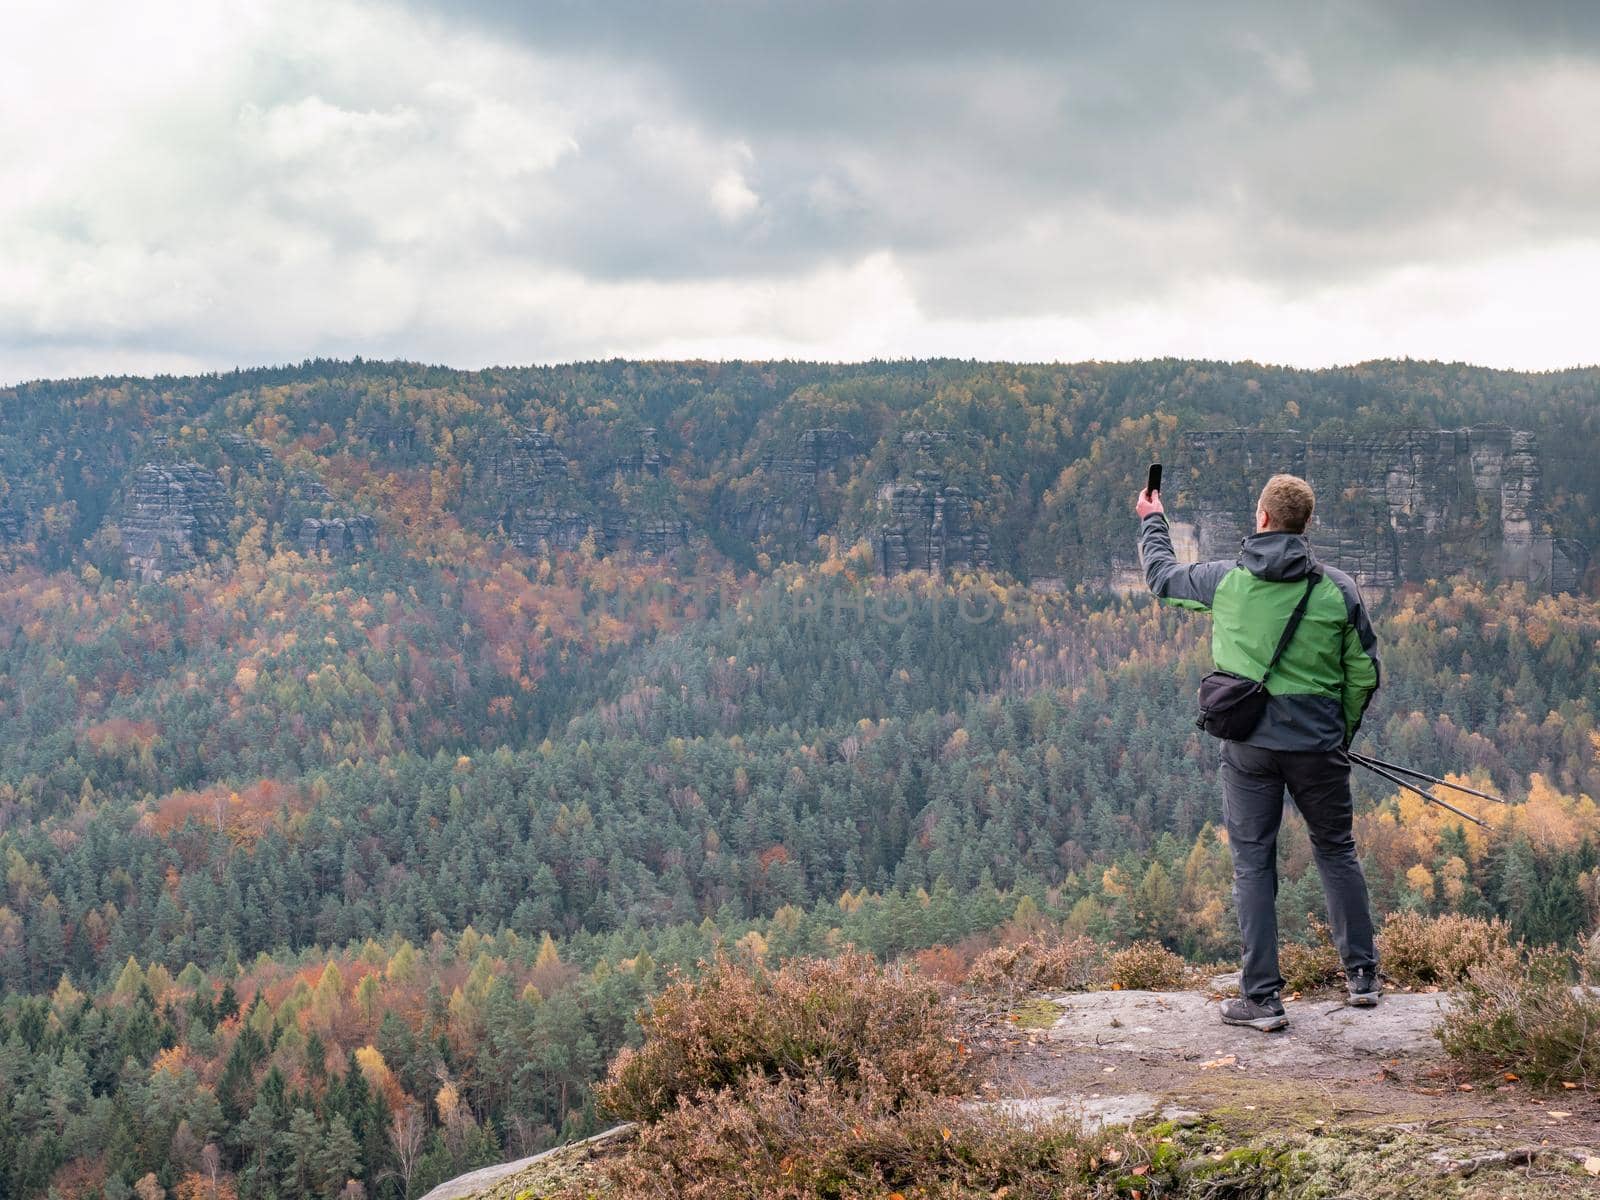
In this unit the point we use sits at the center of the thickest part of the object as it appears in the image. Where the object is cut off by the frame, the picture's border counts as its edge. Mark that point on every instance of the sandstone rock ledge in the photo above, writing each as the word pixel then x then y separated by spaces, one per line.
pixel 503 1181
pixel 1345 1102
pixel 1110 1058
pixel 1358 1101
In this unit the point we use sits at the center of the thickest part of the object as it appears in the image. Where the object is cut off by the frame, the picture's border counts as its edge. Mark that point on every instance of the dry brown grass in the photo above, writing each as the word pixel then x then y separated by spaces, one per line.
pixel 1525 1016
pixel 1307 968
pixel 828 1079
pixel 1145 965
pixel 846 1020
pixel 819 1140
pixel 1417 951
pixel 1047 960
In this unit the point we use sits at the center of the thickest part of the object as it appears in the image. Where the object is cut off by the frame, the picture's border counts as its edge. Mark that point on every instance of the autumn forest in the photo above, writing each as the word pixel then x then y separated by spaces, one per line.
pixel 354 797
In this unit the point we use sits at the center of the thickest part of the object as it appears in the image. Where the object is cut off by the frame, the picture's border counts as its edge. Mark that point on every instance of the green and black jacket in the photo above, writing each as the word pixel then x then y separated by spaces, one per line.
pixel 1323 682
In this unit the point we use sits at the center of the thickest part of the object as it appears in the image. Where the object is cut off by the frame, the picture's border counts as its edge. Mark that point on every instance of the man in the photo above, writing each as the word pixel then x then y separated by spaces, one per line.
pixel 1317 695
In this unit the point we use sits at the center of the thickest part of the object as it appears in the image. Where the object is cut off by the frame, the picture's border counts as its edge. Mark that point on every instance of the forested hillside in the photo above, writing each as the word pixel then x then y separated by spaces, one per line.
pixel 336 867
pixel 662 453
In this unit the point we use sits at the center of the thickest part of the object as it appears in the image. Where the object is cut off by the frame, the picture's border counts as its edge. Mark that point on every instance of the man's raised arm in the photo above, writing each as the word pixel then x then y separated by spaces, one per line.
pixel 1187 585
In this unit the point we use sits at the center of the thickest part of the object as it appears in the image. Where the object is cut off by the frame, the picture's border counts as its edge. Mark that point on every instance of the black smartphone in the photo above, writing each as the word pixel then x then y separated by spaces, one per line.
pixel 1152 485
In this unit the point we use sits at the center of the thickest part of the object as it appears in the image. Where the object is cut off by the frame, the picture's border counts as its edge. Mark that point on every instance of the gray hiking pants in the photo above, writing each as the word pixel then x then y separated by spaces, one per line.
pixel 1253 782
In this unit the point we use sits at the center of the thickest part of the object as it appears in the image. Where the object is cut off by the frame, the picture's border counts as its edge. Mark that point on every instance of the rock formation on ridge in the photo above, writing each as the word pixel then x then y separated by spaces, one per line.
pixel 1393 508
pixel 338 536
pixel 171 514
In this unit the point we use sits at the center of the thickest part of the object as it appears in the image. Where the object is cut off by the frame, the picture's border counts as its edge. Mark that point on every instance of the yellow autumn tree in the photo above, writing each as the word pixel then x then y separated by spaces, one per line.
pixel 1554 823
pixel 548 955
pixel 1420 880
pixel 66 999
pixel 368 998
pixel 402 967
pixel 327 998
pixel 447 1102
pixel 379 1077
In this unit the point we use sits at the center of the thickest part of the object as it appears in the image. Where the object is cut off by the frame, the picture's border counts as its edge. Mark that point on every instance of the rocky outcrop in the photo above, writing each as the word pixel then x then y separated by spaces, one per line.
pixel 816 451
pixel 528 461
pixel 544 505
pixel 546 530
pixel 172 511
pixel 929 440
pixel 786 507
pixel 530 476
pixel 309 489
pixel 924 522
pixel 783 519
pixel 1240 1112
pixel 385 435
pixel 1569 561
pixel 657 536
pixel 243 449
pixel 340 537
pixel 1394 508
pixel 648 459
pixel 542 531
pixel 538 1174
pixel 927 525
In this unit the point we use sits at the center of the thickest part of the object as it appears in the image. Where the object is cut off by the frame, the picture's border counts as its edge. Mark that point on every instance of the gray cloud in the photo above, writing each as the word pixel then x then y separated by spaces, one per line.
pixel 1295 146
pixel 492 180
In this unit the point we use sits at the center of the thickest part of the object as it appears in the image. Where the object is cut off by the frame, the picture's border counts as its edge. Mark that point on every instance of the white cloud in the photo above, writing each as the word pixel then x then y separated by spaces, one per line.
pixel 1534 310
pixel 294 133
pixel 732 197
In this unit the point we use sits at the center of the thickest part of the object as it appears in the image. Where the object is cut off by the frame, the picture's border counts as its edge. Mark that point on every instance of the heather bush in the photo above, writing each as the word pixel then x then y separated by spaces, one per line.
pixel 1418 951
pixel 1045 960
pixel 1308 967
pixel 1145 965
pixel 1526 1017
pixel 789 1139
pixel 945 964
pixel 846 1020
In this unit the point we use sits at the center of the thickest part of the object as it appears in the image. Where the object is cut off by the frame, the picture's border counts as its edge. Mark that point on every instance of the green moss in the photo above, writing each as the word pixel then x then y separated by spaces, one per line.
pixel 1375 1163
pixel 1037 1014
pixel 1247 1171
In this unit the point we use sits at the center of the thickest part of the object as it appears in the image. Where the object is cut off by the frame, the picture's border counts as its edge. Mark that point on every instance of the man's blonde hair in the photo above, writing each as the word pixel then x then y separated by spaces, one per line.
pixel 1288 500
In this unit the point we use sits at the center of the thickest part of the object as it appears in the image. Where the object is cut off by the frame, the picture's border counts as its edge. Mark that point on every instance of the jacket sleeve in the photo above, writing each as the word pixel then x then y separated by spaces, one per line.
pixel 1361 673
pixel 1188 585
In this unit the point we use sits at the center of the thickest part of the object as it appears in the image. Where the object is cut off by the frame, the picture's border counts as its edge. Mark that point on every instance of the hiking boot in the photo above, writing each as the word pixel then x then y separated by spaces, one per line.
pixel 1268 1016
pixel 1365 990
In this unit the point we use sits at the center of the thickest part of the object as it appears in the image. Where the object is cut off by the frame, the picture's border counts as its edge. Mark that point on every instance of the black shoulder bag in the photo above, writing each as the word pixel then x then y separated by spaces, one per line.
pixel 1231 705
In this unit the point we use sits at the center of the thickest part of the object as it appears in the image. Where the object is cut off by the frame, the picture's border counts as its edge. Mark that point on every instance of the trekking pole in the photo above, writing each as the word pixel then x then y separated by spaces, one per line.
pixel 1426 795
pixel 1367 759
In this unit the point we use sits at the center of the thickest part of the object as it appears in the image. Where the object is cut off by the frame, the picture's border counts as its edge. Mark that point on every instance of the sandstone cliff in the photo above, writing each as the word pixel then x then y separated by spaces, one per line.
pixel 790 501
pixel 927 525
pixel 337 536
pixel 545 502
pixel 924 522
pixel 171 515
pixel 530 478
pixel 1396 508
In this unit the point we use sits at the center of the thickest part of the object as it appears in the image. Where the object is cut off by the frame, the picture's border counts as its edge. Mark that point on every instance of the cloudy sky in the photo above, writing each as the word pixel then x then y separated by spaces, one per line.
pixel 197 184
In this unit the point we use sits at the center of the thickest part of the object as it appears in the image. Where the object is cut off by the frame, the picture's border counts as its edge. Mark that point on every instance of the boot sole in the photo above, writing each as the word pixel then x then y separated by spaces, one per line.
pixel 1264 1024
pixel 1363 1000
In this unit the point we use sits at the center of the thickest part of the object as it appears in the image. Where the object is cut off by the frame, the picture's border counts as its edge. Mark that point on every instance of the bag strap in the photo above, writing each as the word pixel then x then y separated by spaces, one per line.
pixel 1294 622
